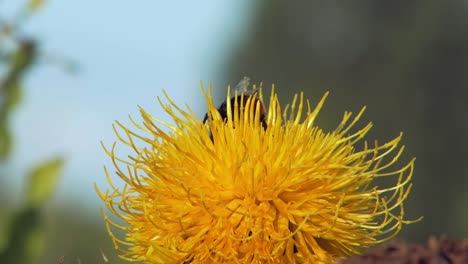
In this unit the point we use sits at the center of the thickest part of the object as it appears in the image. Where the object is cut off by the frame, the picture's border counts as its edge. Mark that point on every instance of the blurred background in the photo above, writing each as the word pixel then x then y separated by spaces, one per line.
pixel 69 69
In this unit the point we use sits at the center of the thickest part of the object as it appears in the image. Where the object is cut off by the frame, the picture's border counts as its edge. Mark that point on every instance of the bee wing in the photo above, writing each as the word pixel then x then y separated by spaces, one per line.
pixel 242 86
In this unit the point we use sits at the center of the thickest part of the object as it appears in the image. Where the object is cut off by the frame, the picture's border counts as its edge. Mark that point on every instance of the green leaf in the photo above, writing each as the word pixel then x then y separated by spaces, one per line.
pixel 5 141
pixel 34 5
pixel 24 57
pixel 42 182
pixel 26 239
pixel 27 234
pixel 13 95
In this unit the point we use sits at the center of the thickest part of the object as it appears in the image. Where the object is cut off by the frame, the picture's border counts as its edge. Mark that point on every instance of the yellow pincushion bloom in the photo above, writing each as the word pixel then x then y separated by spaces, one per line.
pixel 229 190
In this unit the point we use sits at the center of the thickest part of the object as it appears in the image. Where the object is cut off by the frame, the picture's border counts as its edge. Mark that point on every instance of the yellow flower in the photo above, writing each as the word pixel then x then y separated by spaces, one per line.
pixel 231 190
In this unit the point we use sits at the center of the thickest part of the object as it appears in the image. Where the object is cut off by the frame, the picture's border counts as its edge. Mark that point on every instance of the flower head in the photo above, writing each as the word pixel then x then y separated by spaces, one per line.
pixel 232 190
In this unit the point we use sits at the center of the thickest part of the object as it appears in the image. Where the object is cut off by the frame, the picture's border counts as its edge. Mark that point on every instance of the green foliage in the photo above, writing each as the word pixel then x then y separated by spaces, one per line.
pixel 34 5
pixel 18 62
pixel 5 140
pixel 26 236
pixel 42 182
pixel 12 96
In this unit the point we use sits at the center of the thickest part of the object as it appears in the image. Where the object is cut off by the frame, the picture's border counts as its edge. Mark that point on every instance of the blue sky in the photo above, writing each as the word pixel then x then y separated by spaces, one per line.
pixel 128 51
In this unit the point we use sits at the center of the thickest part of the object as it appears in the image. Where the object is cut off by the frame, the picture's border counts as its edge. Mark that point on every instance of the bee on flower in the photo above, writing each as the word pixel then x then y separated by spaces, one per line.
pixel 252 183
pixel 242 95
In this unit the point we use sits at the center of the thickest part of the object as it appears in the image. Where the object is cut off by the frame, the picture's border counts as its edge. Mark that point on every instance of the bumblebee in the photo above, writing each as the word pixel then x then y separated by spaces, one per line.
pixel 243 95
